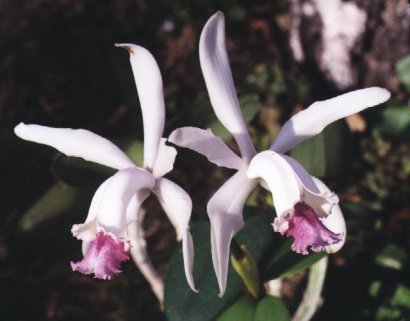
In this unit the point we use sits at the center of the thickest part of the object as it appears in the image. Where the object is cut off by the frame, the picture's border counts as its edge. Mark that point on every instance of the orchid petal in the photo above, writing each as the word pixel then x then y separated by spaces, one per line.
pixel 176 203
pixel 134 206
pixel 322 201
pixel 76 142
pixel 188 255
pixel 218 78
pixel 96 201
pixel 206 143
pixel 149 86
pixel 311 121
pixel 112 214
pixel 87 231
pixel 178 206
pixel 334 222
pixel 165 159
pixel 225 213
pixel 280 178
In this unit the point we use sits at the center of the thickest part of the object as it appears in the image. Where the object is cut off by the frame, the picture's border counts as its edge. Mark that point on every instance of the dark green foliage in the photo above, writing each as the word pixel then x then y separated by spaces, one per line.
pixel 271 251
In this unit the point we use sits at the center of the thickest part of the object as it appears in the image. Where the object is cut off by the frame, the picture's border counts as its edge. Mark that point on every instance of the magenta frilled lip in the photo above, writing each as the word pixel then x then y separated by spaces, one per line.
pixel 307 230
pixel 104 256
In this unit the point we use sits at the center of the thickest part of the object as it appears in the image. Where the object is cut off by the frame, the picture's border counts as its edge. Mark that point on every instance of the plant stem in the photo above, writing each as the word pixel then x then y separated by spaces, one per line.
pixel 140 257
pixel 311 298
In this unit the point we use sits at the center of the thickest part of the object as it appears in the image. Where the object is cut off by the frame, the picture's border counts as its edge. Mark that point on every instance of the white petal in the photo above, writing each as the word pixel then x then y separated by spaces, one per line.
pixel 225 213
pixel 165 159
pixel 134 206
pixel 87 231
pixel 334 222
pixel 178 206
pixel 112 214
pixel 76 142
pixel 188 254
pixel 206 143
pixel 321 201
pixel 176 203
pixel 280 178
pixel 218 78
pixel 149 86
pixel 316 117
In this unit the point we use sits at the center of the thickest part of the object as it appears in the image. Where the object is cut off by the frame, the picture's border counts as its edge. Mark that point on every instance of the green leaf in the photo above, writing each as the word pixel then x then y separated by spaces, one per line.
pixel 59 200
pixel 271 309
pixel 403 71
pixel 247 309
pixel 325 154
pixel 181 303
pixel 395 120
pixel 283 261
pixel 135 151
pixel 242 310
pixel 312 155
pixel 270 250
pixel 219 130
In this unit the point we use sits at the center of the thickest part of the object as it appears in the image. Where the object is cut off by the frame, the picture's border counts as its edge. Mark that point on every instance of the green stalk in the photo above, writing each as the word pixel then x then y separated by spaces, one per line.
pixel 311 297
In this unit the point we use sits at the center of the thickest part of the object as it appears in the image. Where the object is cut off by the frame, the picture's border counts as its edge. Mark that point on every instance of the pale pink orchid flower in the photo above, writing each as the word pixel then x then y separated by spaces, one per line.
pixel 116 203
pixel 303 203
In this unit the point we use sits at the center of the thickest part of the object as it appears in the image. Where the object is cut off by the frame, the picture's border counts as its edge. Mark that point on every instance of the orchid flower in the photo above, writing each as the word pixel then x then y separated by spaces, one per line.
pixel 303 203
pixel 116 203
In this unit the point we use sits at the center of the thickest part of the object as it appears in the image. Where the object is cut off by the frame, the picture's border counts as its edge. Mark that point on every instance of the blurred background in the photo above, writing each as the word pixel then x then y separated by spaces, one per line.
pixel 59 67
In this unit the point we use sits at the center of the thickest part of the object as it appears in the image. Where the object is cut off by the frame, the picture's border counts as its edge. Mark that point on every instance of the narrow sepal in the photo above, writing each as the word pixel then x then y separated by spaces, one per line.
pixel 150 92
pixel 312 120
pixel 218 78
pixel 206 143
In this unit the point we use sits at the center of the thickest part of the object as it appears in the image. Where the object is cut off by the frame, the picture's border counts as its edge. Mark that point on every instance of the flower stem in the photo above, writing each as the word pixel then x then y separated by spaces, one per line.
pixel 141 259
pixel 311 298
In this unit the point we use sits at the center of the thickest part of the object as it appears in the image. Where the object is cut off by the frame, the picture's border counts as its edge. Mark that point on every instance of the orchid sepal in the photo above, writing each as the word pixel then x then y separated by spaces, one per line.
pixel 312 120
pixel 206 143
pixel 148 81
pixel 219 82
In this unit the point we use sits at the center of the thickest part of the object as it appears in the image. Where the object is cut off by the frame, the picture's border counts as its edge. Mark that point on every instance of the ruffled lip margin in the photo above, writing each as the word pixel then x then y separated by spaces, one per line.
pixel 306 229
pixel 104 256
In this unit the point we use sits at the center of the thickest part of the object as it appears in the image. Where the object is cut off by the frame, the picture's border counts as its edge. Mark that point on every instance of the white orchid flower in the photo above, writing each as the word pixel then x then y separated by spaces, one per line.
pixel 116 203
pixel 303 203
